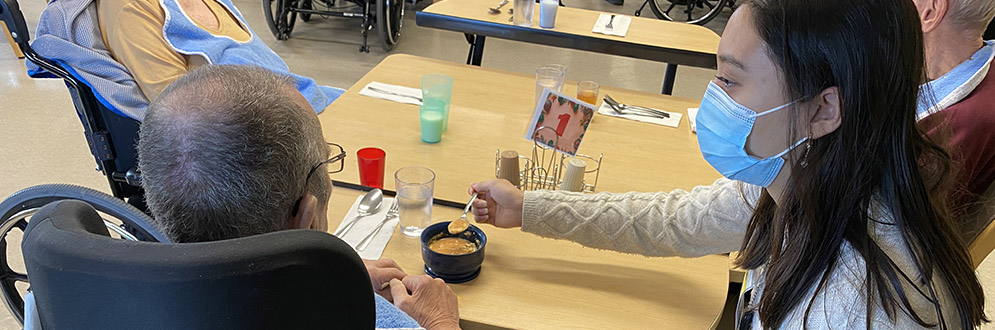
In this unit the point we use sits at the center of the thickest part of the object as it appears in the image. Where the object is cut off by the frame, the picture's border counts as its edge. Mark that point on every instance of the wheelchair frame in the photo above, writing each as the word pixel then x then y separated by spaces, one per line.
pixel 282 22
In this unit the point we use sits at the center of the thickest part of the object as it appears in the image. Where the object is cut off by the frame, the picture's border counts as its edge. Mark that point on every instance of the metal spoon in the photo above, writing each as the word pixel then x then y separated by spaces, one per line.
pixel 460 225
pixel 369 205
pixel 495 11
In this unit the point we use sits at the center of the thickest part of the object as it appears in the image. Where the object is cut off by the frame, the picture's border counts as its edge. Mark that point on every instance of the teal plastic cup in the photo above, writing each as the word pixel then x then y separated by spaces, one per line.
pixel 432 115
pixel 438 87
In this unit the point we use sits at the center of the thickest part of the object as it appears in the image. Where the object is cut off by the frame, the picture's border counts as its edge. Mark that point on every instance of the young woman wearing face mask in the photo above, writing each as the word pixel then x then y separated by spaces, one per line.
pixel 831 194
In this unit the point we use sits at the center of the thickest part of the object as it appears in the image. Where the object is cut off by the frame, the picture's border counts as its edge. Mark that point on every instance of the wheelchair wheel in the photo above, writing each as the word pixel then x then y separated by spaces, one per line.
pixel 306 4
pixel 390 14
pixel 18 208
pixel 279 17
pixel 697 12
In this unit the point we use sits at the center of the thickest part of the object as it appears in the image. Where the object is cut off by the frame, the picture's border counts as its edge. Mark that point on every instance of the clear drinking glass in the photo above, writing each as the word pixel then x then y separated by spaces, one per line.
pixel 414 185
pixel 587 91
pixel 522 15
pixel 548 77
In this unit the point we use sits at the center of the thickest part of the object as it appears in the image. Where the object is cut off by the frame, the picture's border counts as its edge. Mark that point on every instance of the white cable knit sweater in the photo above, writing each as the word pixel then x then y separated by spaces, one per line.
pixel 712 219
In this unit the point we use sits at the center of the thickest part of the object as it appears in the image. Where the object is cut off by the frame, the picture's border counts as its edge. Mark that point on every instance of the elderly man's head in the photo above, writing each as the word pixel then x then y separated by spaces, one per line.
pixel 952 31
pixel 970 16
pixel 224 152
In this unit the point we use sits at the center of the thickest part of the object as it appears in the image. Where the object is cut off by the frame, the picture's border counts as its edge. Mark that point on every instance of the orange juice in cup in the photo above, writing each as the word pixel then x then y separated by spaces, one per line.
pixel 587 91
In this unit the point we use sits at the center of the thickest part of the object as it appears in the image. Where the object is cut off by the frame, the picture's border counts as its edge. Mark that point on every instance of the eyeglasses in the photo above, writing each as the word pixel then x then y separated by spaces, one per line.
pixel 337 157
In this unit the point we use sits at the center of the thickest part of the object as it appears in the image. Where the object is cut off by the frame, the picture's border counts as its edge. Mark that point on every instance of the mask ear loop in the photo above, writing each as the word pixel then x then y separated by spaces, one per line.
pixel 808 147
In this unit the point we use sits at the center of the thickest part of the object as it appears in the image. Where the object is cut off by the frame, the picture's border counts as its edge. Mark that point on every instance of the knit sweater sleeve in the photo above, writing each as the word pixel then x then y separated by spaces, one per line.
pixel 705 220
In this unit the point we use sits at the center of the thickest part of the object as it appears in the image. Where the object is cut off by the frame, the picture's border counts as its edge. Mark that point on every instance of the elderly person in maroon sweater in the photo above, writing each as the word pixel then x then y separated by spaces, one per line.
pixel 957 107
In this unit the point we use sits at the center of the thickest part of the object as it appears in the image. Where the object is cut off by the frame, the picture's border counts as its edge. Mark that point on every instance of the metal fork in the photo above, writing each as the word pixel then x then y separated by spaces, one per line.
pixel 609 26
pixel 638 110
pixel 391 214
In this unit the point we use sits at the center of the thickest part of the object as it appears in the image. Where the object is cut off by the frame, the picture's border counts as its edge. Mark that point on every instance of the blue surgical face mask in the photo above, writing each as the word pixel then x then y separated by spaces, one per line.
pixel 723 126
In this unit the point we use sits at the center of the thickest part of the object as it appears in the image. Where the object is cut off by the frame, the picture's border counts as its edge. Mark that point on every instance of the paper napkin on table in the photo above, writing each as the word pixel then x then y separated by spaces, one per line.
pixel 366 225
pixel 620 25
pixel 673 121
pixel 692 113
pixel 392 92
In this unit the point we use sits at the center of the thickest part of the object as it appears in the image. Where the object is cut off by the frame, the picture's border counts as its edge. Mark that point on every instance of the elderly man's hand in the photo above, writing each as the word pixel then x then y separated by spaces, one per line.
pixel 427 300
pixel 381 272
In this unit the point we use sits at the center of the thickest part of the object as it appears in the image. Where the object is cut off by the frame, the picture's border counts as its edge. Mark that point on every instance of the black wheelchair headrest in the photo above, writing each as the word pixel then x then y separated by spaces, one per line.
pixel 293 279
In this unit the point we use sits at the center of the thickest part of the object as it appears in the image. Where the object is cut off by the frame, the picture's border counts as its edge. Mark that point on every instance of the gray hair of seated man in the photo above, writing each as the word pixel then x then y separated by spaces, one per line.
pixel 972 15
pixel 224 152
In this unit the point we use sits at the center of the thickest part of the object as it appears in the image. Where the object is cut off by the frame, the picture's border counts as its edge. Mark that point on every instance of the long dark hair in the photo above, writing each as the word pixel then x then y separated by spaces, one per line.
pixel 872 51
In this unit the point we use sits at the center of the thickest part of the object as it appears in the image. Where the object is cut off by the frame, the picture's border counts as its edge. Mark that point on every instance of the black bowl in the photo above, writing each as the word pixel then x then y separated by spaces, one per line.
pixel 453 268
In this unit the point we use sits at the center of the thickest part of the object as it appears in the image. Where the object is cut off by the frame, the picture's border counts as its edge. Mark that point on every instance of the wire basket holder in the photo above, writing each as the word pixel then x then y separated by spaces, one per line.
pixel 542 170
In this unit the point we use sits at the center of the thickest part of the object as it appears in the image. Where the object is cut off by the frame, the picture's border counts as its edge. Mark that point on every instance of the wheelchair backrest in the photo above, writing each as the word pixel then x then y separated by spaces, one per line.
pixel 294 279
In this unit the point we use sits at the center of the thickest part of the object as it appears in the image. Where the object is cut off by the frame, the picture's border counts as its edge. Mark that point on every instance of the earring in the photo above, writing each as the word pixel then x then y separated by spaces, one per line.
pixel 808 147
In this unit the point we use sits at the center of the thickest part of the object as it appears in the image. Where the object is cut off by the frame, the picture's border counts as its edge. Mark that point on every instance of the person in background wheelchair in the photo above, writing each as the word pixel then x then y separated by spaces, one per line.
pixel 129 51
pixel 222 161
pixel 957 105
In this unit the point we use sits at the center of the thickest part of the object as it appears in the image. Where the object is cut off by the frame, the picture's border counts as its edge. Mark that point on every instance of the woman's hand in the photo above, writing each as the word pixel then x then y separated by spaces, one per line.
pixel 499 203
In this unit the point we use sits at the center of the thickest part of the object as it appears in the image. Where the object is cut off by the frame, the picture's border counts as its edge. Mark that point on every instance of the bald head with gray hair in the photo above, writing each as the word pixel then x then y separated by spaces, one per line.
pixel 224 152
pixel 972 15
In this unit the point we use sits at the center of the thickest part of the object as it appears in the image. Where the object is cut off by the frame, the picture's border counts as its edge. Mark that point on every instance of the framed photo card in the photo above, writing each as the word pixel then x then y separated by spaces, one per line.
pixel 560 122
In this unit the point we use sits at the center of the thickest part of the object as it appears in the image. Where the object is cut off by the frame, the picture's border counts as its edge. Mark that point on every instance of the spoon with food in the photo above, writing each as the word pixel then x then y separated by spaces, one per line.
pixel 460 225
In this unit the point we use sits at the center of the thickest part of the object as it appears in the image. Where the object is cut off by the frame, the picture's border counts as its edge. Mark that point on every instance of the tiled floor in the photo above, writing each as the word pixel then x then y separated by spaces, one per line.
pixel 42 140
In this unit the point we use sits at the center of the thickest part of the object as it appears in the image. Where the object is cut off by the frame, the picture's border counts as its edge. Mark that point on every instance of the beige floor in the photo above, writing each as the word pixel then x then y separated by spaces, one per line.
pixel 42 140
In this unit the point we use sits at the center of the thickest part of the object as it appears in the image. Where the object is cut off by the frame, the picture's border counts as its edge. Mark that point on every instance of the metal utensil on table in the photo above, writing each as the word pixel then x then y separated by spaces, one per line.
pixel 621 107
pixel 369 205
pixel 382 91
pixel 619 111
pixel 391 214
pixel 495 11
pixel 610 20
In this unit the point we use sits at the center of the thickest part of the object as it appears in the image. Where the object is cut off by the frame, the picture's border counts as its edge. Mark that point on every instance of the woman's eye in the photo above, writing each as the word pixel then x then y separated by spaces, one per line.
pixel 727 82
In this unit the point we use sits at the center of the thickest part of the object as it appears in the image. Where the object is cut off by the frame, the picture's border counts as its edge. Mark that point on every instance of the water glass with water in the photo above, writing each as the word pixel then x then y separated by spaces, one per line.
pixel 522 15
pixel 548 77
pixel 414 185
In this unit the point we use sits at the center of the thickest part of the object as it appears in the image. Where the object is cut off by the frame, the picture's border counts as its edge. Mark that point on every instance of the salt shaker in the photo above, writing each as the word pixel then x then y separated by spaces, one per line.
pixel 573 177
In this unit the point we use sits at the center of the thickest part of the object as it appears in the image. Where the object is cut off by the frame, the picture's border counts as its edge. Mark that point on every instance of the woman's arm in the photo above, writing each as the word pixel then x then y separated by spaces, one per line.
pixel 706 220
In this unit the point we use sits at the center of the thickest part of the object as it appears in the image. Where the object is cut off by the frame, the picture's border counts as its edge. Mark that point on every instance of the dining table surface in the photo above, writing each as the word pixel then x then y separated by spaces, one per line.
pixel 529 282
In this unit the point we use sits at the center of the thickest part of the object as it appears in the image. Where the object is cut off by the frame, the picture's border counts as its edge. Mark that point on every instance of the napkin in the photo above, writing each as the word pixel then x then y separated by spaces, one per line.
pixel 619 25
pixel 412 95
pixel 366 225
pixel 692 113
pixel 673 121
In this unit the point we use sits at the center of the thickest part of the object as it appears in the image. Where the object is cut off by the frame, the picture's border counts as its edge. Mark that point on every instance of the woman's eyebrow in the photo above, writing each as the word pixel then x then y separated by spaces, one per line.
pixel 729 59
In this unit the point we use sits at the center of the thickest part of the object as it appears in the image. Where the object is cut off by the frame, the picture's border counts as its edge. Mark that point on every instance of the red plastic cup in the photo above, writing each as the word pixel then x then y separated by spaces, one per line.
pixel 371 161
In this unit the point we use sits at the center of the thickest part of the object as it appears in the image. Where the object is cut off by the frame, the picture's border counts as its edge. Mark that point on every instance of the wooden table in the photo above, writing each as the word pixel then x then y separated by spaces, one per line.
pixel 528 282
pixel 491 110
pixel 647 38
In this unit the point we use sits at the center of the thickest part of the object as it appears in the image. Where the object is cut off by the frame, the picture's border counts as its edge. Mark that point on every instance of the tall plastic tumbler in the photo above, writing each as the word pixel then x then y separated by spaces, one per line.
pixel 438 87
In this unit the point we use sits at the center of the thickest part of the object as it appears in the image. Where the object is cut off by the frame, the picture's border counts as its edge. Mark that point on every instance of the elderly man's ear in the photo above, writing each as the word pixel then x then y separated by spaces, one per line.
pixel 306 211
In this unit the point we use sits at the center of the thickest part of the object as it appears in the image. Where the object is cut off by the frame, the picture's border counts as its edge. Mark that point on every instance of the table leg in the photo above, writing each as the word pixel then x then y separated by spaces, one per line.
pixel 668 79
pixel 476 49
pixel 10 40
